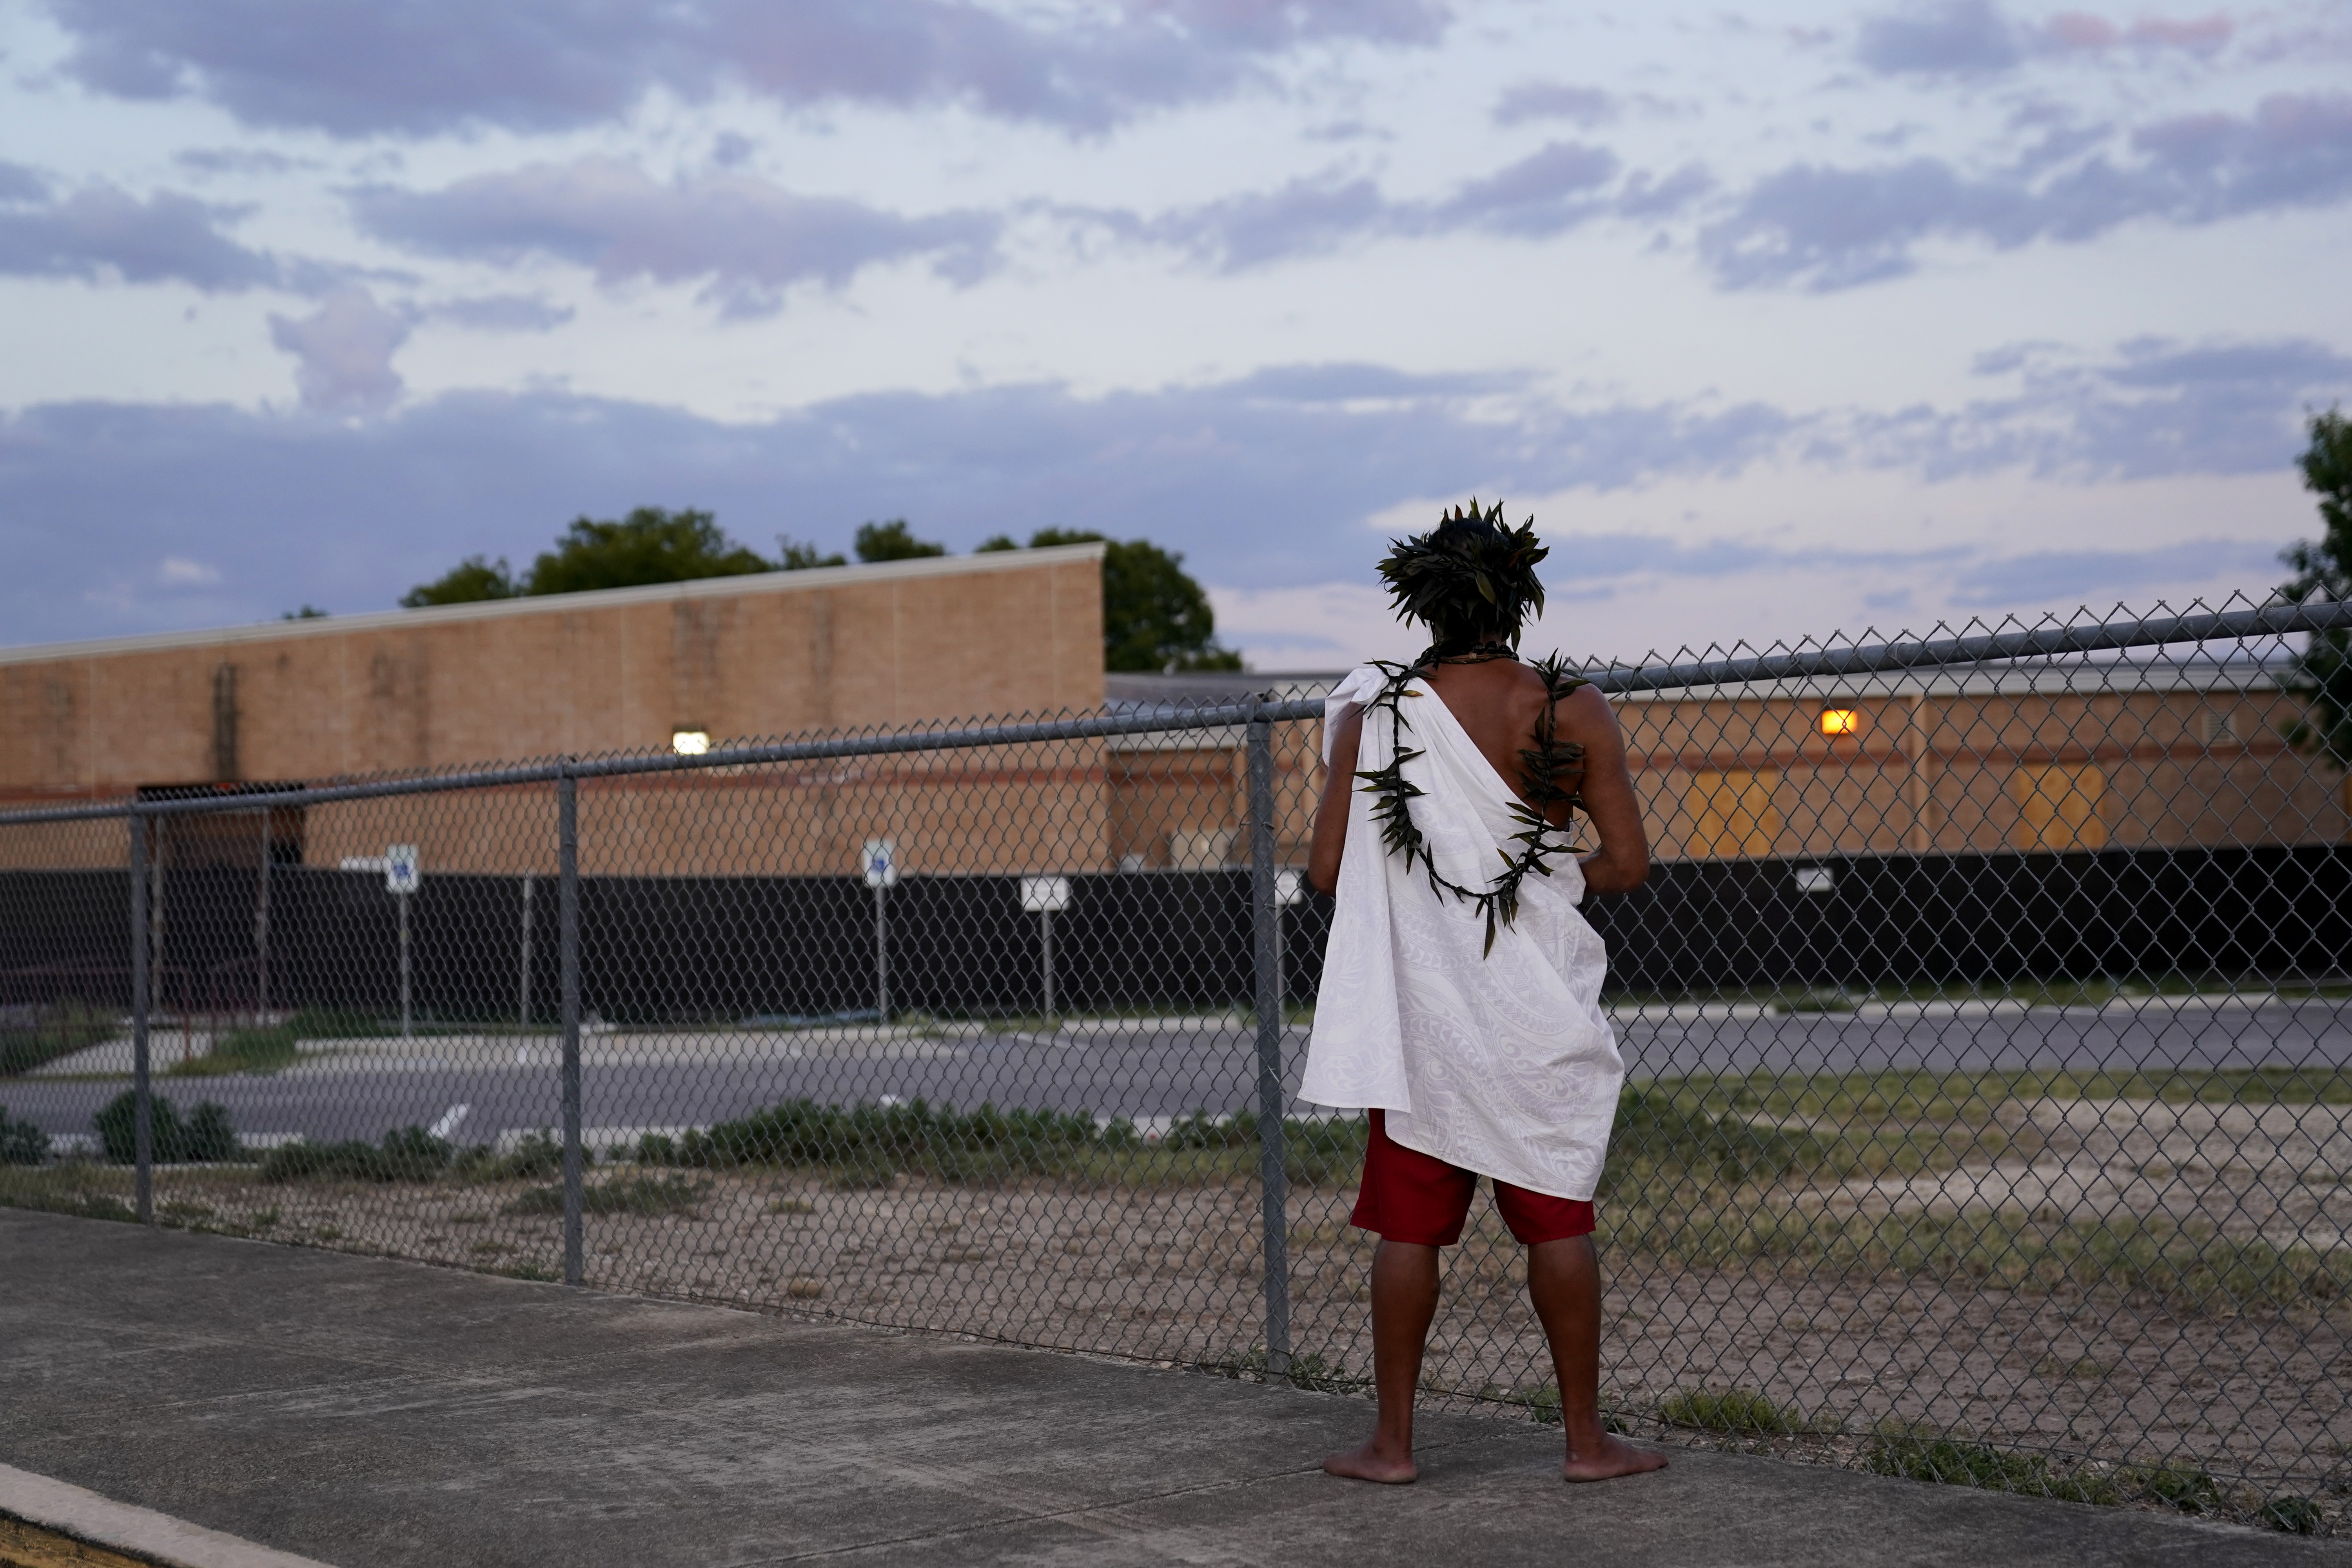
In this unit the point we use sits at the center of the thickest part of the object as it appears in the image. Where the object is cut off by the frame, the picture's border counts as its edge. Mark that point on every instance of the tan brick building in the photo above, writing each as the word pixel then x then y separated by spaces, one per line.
pixel 851 648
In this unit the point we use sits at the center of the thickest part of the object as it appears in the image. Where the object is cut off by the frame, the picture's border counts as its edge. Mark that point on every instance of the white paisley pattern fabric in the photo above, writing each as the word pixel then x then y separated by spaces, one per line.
pixel 1504 1064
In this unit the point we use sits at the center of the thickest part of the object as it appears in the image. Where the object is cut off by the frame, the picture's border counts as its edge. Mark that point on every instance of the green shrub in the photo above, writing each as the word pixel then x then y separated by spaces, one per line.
pixel 21 1142
pixel 408 1155
pixel 206 1135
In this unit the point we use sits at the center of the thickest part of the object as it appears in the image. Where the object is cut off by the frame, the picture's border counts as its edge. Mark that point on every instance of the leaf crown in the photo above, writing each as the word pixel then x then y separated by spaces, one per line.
pixel 1472 573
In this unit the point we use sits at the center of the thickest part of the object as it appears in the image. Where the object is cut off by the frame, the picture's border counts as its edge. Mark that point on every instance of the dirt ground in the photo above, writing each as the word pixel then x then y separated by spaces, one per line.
pixel 1172 1274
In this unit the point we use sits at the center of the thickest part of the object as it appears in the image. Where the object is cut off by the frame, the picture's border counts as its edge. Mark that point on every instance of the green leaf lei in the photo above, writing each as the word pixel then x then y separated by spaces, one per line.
pixel 1544 767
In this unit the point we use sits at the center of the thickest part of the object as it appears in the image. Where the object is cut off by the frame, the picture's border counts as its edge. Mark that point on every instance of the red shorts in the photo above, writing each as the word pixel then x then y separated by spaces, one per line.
pixel 1410 1196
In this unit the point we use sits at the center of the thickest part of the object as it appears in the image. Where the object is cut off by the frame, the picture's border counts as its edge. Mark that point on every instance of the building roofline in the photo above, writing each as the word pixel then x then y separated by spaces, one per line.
pixel 805 581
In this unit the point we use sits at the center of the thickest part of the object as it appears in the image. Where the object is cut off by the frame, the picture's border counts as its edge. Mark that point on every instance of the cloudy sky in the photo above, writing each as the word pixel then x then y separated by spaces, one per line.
pixel 1778 319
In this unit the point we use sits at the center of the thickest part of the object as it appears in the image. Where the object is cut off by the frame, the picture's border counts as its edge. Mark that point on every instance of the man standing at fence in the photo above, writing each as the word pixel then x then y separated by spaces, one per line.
pixel 1460 1003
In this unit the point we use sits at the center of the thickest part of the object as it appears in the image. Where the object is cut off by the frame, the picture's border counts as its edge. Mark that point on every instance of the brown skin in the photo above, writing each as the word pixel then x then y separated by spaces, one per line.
pixel 1499 703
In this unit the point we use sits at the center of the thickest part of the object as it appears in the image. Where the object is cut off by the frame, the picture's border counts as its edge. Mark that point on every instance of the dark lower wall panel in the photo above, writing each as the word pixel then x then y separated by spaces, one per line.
pixel 724 948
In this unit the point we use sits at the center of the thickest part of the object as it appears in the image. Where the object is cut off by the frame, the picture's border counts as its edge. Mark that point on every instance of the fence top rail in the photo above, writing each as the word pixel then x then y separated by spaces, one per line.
pixel 2034 642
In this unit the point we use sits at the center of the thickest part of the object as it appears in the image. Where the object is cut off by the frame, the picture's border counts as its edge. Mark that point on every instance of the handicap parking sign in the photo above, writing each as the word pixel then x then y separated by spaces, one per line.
pixel 881 861
pixel 401 873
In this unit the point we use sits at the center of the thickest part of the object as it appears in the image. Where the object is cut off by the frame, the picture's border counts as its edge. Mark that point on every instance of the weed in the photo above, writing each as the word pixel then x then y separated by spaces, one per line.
pixel 792 1205
pixel 527 1269
pixel 1542 1406
pixel 1733 1410
pixel 21 1142
pixel 2294 1514
pixel 2190 1491
pixel 409 1154
pixel 536 1157
pixel 622 1195
pixel 206 1135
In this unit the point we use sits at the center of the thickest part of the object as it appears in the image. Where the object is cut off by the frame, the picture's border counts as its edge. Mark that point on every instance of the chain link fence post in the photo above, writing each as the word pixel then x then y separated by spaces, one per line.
pixel 142 1114
pixel 567 796
pixel 1267 952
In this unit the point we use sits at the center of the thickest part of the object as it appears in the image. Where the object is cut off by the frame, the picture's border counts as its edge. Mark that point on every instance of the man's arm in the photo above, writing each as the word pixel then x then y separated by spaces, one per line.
pixel 1331 812
pixel 1622 861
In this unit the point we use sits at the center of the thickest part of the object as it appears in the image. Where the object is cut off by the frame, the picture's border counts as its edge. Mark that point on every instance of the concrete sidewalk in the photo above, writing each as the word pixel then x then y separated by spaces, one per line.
pixel 366 1414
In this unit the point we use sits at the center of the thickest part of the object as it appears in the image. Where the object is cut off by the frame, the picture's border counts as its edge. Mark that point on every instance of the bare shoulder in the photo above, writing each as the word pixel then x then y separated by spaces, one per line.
pixel 1584 714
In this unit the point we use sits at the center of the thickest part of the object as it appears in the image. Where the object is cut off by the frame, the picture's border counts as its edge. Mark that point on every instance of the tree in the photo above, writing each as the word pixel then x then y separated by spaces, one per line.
pixel 1155 616
pixel 798 557
pixel 649 545
pixel 892 541
pixel 471 580
pixel 2322 673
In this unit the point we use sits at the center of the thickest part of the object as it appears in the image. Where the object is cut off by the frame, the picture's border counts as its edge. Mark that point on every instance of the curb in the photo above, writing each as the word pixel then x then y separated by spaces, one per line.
pixel 138 1533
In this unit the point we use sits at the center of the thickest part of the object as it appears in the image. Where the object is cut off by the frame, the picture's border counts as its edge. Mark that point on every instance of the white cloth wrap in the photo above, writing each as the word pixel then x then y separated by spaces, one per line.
pixel 1504 1064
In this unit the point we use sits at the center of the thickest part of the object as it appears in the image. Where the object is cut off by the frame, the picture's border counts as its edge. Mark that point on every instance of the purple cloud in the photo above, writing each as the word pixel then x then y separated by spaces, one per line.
pixel 1831 228
pixel 1960 36
pixel 748 240
pixel 1584 106
pixel 344 349
pixel 103 232
pixel 1548 191
pixel 425 66
pixel 1551 190
pixel 2157 409
pixel 499 313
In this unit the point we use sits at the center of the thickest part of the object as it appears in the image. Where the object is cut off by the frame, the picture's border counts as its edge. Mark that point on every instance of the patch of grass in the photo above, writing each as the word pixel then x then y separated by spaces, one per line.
pixel 2187 1269
pixel 271 1048
pixel 76 1188
pixel 408 1155
pixel 639 1195
pixel 35 1036
pixel 1737 1410
pixel 1663 1133
pixel 21 1142
pixel 1920 1456
pixel 527 1269
pixel 206 1135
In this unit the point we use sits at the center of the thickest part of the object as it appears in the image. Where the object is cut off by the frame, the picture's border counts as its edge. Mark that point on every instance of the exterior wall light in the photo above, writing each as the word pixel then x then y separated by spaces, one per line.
pixel 689 742
pixel 1841 721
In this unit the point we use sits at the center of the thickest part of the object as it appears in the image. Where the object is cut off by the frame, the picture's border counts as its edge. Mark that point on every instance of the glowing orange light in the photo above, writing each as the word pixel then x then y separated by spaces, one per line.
pixel 1841 721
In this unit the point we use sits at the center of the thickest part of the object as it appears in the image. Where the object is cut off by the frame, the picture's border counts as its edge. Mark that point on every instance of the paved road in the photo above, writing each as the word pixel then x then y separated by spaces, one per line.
pixel 635 1081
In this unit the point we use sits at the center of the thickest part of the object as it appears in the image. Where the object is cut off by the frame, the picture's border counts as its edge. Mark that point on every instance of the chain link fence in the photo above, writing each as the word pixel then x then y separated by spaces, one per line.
pixel 1984 1019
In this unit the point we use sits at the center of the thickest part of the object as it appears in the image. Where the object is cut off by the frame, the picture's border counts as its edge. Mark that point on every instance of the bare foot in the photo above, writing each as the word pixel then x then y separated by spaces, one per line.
pixel 1372 1463
pixel 1606 1461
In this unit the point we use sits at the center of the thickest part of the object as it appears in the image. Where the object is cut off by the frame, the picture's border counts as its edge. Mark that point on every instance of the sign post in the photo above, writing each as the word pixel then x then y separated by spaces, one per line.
pixel 880 860
pixel 1047 896
pixel 401 876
